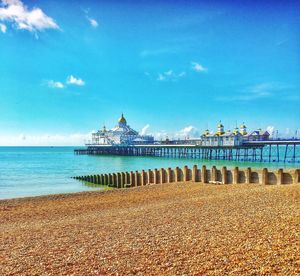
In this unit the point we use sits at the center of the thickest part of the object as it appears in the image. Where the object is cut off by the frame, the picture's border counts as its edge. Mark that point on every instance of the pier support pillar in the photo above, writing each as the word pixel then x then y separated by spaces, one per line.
pixel 264 176
pixel 235 175
pixel 195 174
pixel 204 174
pixel 248 175
pixel 224 175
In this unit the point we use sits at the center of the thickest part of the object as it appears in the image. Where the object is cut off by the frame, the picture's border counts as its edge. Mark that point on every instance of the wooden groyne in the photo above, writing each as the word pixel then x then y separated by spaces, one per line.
pixel 194 174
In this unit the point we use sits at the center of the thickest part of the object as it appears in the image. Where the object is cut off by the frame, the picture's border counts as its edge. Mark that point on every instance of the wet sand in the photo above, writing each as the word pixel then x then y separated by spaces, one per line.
pixel 168 229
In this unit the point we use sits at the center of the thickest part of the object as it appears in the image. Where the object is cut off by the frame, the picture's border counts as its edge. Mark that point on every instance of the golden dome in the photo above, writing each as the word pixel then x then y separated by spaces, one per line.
pixel 243 125
pixel 122 120
pixel 220 125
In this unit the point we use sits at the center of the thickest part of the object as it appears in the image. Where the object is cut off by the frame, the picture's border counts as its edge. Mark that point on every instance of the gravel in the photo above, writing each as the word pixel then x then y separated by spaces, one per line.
pixel 169 229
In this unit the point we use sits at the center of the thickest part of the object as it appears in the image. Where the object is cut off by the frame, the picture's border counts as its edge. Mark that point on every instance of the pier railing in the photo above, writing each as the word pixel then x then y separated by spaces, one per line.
pixel 194 174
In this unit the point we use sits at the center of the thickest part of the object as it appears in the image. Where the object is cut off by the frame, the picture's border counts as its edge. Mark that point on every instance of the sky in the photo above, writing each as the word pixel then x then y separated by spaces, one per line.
pixel 174 68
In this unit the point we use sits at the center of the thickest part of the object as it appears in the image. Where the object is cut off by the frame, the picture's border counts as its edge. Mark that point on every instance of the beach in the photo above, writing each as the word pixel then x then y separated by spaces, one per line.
pixel 177 228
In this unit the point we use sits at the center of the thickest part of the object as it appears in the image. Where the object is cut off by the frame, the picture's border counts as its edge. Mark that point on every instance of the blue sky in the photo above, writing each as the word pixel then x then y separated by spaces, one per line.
pixel 172 67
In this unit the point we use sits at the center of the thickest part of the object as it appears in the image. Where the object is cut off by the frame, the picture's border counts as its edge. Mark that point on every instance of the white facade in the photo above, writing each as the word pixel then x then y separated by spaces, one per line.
pixel 119 135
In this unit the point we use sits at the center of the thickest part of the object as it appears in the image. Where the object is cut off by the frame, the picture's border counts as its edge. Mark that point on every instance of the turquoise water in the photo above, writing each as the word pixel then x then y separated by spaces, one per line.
pixel 31 171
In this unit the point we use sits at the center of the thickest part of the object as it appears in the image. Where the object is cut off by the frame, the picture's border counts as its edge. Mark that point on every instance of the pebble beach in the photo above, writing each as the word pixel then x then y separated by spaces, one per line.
pixel 169 229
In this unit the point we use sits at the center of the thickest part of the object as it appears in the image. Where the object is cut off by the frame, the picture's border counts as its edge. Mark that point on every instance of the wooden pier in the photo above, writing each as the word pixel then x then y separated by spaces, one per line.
pixel 258 151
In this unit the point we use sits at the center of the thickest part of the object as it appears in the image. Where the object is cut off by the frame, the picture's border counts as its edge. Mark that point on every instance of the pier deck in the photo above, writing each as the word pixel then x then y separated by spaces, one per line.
pixel 259 151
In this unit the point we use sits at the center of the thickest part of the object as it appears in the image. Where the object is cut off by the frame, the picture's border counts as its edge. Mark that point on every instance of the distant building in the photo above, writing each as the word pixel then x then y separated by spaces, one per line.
pixel 235 138
pixel 119 135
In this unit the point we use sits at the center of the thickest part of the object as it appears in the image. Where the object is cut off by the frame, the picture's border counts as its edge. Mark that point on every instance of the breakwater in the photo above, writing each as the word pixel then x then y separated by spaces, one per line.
pixel 194 174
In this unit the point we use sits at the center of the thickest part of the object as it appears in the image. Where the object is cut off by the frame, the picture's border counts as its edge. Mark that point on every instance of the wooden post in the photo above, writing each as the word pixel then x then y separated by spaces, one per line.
pixel 137 179
pixel 235 175
pixel 155 176
pixel 122 180
pixel 280 176
pixel 296 176
pixel 224 175
pixel 214 173
pixel 169 175
pixel 119 185
pixel 186 173
pixel 204 174
pixel 132 179
pixel 162 176
pixel 248 175
pixel 143 178
pixel 177 174
pixel 195 174
pixel 264 178
pixel 149 176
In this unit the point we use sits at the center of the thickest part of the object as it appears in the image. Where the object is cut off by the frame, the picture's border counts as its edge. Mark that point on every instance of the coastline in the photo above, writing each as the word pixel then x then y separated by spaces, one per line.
pixel 171 228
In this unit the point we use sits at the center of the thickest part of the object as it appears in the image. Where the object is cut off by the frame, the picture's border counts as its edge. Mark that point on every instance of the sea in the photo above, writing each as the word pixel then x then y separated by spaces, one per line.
pixel 35 171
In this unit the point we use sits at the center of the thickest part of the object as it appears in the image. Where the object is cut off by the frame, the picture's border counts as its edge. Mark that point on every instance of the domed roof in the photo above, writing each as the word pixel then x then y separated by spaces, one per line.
pixel 122 120
pixel 220 124
pixel 243 125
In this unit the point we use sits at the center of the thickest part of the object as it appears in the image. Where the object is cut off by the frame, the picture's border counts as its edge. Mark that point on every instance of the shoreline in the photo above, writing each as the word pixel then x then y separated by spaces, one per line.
pixel 181 228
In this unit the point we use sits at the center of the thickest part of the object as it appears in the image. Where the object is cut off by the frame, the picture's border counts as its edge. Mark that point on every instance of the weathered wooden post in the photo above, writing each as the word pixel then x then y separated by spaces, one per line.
pixel 235 175
pixel 186 173
pixel 204 174
pixel 224 175
pixel 119 184
pixel 114 182
pixel 162 175
pixel 195 173
pixel 264 176
pixel 122 179
pixel 102 179
pixel 280 176
pixel 137 179
pixel 169 175
pixel 132 179
pixel 155 175
pixel 106 179
pixel 248 175
pixel 214 173
pixel 296 176
pixel 143 178
pixel 177 174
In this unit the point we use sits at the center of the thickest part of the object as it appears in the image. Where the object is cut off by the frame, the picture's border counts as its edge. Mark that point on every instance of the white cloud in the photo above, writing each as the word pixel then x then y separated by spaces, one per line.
pixel 170 75
pixel 73 139
pixel 144 129
pixel 75 81
pixel 55 84
pixel 187 132
pixel 271 129
pixel 3 28
pixel 198 67
pixel 34 20
pixel 93 22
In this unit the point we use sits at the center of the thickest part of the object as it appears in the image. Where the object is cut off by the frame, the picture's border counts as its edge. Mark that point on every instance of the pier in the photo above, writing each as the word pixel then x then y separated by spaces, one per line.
pixel 253 151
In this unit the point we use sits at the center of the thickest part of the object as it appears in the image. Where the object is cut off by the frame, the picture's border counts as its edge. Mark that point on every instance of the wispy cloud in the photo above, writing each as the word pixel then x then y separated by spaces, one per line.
pixel 75 81
pixel 198 67
pixel 93 22
pixel 187 132
pixel 145 129
pixel 260 91
pixel 55 84
pixel 22 18
pixel 170 75
pixel 3 28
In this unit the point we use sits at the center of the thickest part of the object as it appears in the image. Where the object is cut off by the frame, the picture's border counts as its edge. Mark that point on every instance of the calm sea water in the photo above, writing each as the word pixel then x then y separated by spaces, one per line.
pixel 31 171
